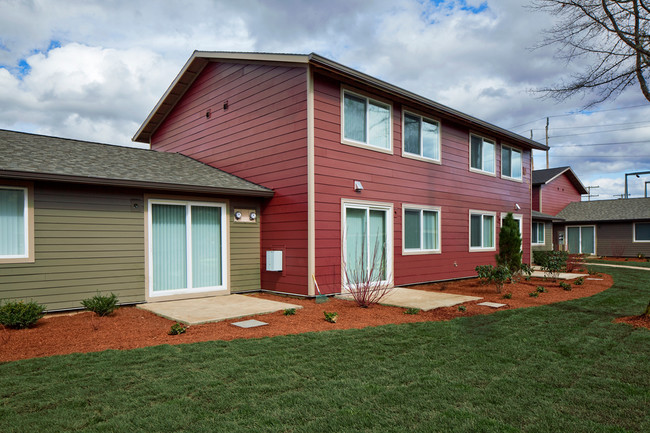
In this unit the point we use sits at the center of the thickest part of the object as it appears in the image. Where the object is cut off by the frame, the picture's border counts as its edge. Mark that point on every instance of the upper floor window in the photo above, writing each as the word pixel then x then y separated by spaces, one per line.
pixel 482 154
pixel 14 228
pixel 641 232
pixel 366 121
pixel 421 229
pixel 421 137
pixel 510 162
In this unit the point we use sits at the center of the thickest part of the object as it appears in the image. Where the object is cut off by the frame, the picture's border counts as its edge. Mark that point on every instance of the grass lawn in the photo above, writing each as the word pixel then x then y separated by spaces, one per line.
pixel 559 368
pixel 618 262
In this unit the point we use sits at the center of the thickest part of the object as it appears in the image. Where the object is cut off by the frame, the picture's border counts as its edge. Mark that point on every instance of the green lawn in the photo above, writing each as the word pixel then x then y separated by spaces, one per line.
pixel 615 262
pixel 559 368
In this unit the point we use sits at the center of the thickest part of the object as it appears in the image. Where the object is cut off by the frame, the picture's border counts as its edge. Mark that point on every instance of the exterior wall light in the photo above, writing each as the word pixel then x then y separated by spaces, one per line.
pixel 237 215
pixel 252 216
pixel 358 187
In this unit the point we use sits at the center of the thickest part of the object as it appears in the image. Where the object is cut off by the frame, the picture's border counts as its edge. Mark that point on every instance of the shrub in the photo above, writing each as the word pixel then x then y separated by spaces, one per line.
pixel 541 289
pixel 462 308
pixel 20 315
pixel 412 311
pixel 289 312
pixel 575 262
pixel 496 275
pixel 540 257
pixel 507 296
pixel 579 281
pixel 331 317
pixel 177 329
pixel 524 269
pixel 484 273
pixel 509 245
pixel 101 305
pixel 368 284
pixel 565 286
pixel 533 294
pixel 555 262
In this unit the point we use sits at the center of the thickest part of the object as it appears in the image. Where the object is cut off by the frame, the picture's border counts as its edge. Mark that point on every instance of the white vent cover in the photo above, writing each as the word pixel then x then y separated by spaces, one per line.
pixel 274 261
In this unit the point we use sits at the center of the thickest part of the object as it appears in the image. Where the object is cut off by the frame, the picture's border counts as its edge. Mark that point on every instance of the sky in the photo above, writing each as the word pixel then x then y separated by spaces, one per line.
pixel 93 70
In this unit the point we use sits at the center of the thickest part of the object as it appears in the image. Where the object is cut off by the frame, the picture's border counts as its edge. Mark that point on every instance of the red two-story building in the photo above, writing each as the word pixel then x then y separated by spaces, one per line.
pixel 363 172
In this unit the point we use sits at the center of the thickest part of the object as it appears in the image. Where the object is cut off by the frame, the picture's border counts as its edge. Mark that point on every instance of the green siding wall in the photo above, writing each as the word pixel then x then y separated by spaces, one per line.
pixel 244 250
pixel 548 238
pixel 87 239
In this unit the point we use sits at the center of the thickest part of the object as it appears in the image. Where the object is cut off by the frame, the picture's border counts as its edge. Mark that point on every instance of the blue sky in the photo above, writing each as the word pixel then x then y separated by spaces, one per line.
pixel 93 70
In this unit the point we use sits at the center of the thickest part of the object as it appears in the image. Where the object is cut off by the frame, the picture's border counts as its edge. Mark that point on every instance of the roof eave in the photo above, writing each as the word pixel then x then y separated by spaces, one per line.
pixel 159 186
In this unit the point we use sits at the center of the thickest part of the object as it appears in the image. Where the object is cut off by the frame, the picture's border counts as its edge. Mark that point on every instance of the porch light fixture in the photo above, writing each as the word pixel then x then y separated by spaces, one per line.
pixel 358 187
pixel 517 207
pixel 237 215
pixel 252 216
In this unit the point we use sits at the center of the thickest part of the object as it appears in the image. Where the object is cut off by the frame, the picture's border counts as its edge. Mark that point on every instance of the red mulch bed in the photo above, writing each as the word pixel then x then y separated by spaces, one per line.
pixel 131 327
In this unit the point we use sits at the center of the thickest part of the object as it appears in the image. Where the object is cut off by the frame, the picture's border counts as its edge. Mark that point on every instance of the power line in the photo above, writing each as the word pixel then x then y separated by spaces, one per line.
pixel 598 132
pixel 594 126
pixel 605 144
pixel 581 113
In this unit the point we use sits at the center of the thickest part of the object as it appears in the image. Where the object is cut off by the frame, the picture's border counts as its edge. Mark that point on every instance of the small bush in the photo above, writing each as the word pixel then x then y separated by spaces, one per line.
pixel 289 312
pixel 533 294
pixel 102 305
pixel 462 308
pixel 575 262
pixel 540 257
pixel 496 275
pixel 595 273
pixel 555 262
pixel 565 286
pixel 484 273
pixel 507 296
pixel 541 289
pixel 177 329
pixel 412 311
pixel 579 281
pixel 331 317
pixel 20 315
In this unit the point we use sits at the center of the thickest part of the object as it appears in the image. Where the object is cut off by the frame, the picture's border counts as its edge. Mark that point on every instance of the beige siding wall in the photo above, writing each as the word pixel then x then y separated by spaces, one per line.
pixel 548 238
pixel 244 249
pixel 616 239
pixel 87 239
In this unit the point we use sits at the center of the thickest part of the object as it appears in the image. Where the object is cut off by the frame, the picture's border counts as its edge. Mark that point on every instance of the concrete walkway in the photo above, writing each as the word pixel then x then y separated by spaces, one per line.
pixel 215 308
pixel 618 266
pixel 421 299
pixel 561 275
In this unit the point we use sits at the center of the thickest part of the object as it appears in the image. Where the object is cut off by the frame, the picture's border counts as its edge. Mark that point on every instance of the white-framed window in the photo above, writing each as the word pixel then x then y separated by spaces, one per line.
pixel 366 122
pixel 537 233
pixel 642 232
pixel 367 242
pixel 421 137
pixel 482 154
pixel 421 229
pixel 482 225
pixel 511 163
pixel 187 247
pixel 15 224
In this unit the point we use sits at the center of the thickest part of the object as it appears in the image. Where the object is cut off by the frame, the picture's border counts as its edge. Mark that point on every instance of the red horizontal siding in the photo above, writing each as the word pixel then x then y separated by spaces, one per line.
pixel 557 194
pixel 393 179
pixel 536 194
pixel 262 137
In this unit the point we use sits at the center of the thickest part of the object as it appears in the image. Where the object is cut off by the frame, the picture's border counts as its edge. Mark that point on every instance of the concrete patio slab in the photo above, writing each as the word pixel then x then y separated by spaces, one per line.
pixel 561 275
pixel 215 308
pixel 422 299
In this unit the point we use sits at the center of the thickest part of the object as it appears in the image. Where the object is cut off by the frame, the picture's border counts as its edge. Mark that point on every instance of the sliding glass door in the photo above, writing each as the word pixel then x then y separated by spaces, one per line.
pixel 581 239
pixel 186 247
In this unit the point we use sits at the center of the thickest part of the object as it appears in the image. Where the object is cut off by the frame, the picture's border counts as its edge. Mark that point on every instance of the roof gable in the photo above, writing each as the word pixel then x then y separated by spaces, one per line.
pixel 546 176
pixel 31 156
pixel 200 59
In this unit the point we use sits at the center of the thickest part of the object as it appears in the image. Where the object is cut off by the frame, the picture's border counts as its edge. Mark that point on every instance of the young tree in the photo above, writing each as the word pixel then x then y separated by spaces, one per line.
pixel 611 36
pixel 509 245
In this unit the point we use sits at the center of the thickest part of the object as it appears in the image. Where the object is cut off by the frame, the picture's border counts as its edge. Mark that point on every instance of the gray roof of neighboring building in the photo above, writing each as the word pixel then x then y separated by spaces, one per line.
pixel 40 157
pixel 544 216
pixel 542 177
pixel 631 209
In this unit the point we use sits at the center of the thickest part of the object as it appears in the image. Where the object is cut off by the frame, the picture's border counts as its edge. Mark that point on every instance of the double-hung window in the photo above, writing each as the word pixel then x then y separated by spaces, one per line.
pixel 366 122
pixel 537 234
pixel 421 137
pixel 14 224
pixel 421 229
pixel 510 163
pixel 187 247
pixel 641 232
pixel 481 231
pixel 482 154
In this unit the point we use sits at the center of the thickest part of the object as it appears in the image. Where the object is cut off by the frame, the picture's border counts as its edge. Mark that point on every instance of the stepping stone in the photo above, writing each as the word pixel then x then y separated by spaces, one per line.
pixel 595 279
pixel 492 304
pixel 250 323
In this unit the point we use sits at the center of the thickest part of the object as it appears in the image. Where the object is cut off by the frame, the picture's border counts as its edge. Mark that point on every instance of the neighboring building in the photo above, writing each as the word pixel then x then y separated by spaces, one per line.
pixel 78 217
pixel 357 166
pixel 618 228
pixel 553 189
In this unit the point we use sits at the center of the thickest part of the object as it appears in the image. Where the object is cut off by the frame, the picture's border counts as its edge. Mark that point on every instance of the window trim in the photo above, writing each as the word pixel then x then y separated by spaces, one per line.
pixel 480 170
pixel 532 230
pixel 566 237
pixel 634 240
pixel 421 251
pixel 482 213
pixel 225 241
pixel 409 155
pixel 351 142
pixel 521 163
pixel 390 256
pixel 29 256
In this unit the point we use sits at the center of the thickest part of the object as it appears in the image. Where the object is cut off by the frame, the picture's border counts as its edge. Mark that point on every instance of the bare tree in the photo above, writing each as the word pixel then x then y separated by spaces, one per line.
pixel 612 37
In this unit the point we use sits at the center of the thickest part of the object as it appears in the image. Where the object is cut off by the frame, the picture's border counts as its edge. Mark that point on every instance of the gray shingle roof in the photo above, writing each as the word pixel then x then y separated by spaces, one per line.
pixel 541 177
pixel 32 156
pixel 631 209
pixel 543 216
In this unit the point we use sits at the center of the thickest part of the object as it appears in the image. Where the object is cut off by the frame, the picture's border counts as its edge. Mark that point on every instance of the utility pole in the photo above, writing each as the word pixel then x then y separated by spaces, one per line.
pixel 547 143
pixel 589 194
